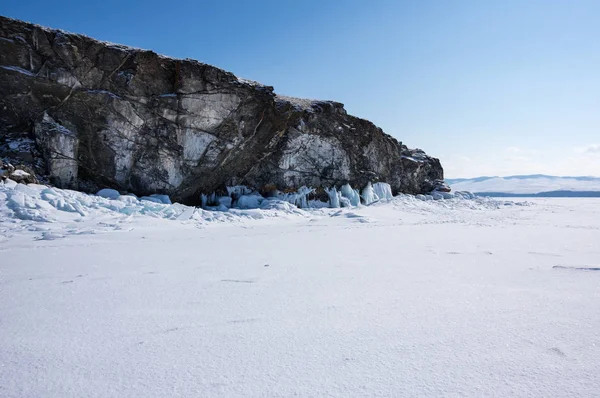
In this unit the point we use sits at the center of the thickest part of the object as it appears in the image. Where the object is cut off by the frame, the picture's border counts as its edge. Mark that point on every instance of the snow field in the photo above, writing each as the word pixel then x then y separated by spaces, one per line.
pixel 406 297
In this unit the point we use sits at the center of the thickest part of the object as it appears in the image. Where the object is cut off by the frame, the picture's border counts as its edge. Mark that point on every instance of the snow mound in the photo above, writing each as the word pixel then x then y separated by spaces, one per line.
pixel 31 207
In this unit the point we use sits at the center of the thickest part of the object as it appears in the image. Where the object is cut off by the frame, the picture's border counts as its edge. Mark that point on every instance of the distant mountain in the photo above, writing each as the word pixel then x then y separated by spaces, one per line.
pixel 535 184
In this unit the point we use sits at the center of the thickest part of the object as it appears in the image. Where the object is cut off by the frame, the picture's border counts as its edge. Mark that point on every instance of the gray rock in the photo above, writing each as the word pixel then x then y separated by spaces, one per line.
pixel 103 115
pixel 441 186
pixel 22 174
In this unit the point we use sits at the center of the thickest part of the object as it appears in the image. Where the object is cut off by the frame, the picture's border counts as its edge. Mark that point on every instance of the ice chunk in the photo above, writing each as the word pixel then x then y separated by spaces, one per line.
pixel 368 195
pixel 238 190
pixel 225 201
pixel 151 199
pixel 345 202
pixel 162 198
pixel 27 207
pixel 32 191
pixel 350 194
pixel 249 201
pixel 235 192
pixel 421 197
pixel 276 204
pixel 208 200
pixel 10 184
pixel 437 196
pixel 317 204
pixel 17 199
pixel 38 187
pixel 299 198
pixel 155 198
pixel 221 208
pixel 62 205
pixel 334 197
pixel 464 194
pixel 383 191
pixel 108 193
pixel 128 199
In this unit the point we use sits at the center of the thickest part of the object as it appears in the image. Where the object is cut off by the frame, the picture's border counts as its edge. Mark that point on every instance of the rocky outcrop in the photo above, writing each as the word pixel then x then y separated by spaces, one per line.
pixel 103 115
pixel 19 174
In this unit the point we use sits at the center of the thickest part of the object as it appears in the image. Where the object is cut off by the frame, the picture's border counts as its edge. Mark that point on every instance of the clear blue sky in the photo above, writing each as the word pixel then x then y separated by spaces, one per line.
pixel 490 87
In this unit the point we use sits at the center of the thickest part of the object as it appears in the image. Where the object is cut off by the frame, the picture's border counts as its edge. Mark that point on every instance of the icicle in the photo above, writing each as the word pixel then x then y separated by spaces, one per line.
pixel 209 200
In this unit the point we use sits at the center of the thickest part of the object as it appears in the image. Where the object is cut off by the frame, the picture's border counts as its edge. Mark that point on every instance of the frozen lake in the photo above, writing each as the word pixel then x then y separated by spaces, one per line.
pixel 405 298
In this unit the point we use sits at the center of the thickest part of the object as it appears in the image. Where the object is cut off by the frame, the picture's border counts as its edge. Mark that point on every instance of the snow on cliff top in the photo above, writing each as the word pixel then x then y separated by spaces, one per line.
pixel 305 104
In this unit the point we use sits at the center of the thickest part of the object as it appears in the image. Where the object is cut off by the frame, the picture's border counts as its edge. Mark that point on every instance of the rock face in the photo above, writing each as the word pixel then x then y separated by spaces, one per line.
pixel 98 115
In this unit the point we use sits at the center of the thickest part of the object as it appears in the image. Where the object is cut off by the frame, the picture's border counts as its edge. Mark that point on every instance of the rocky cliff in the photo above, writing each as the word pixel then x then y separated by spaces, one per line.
pixel 88 114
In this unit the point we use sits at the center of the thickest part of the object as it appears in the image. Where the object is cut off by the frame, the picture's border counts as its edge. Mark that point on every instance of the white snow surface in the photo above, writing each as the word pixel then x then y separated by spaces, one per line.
pixel 21 173
pixel 527 184
pixel 404 297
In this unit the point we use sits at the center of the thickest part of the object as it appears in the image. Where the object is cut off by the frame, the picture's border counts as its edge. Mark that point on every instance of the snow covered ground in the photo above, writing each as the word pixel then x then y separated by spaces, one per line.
pixel 102 298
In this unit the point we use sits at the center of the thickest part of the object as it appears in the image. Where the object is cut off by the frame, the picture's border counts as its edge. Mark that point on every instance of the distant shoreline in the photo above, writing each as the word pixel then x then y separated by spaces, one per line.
pixel 549 194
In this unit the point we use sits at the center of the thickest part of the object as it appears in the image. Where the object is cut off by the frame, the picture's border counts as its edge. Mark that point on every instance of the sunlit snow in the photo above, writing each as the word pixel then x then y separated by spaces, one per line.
pixel 405 297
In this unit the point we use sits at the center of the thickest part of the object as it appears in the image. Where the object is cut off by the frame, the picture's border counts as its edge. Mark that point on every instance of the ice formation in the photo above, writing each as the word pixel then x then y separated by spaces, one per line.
pixel 437 195
pixel 383 190
pixel 242 197
pixel 22 204
pixel 156 198
pixel 351 194
pixel 368 195
pixel 108 193
pixel 334 197
pixel 237 191
pixel 250 202
pixel 245 198
pixel 299 198
pixel 208 200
